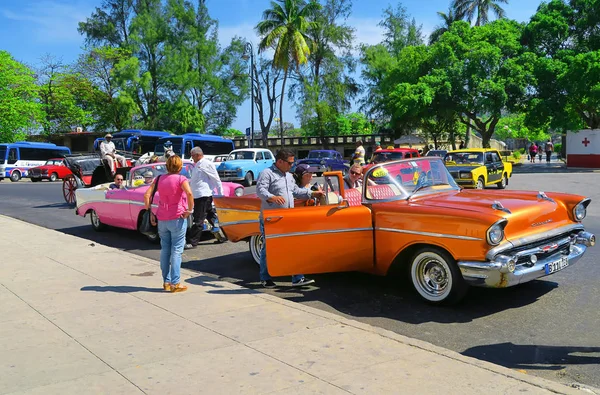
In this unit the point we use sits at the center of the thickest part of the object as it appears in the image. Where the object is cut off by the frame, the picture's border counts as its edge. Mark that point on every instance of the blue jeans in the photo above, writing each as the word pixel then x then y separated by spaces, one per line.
pixel 264 272
pixel 172 241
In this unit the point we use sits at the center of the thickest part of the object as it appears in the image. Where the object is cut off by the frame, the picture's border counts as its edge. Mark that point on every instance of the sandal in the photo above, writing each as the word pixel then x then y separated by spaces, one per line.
pixel 178 287
pixel 167 286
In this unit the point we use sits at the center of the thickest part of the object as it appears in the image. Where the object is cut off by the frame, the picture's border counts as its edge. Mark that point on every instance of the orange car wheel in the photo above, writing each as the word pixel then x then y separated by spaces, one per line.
pixel 436 277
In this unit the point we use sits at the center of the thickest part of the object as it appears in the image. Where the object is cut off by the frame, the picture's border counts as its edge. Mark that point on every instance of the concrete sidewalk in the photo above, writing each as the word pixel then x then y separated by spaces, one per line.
pixel 82 318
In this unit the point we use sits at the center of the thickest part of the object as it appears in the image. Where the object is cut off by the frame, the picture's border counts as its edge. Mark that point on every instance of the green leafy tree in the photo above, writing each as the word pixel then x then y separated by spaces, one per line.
pixel 284 28
pixel 400 31
pixel 209 80
pixel 325 86
pixel 473 73
pixel 66 97
pixel 19 107
pixel 565 37
pixel 448 19
pixel 108 70
pixel 480 8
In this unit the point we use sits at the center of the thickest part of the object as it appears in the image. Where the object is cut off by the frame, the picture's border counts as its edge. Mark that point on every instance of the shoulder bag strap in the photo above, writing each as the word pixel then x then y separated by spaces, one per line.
pixel 154 190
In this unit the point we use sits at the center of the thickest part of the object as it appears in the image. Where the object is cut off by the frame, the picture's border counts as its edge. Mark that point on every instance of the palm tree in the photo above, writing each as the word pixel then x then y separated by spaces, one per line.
pixel 448 19
pixel 467 9
pixel 284 28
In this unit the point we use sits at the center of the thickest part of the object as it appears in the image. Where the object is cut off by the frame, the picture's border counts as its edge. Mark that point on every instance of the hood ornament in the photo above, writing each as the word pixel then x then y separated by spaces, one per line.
pixel 498 206
pixel 542 196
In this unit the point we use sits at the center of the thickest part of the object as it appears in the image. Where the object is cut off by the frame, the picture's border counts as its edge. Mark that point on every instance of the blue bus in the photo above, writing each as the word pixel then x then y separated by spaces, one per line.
pixel 17 158
pixel 182 145
pixel 136 141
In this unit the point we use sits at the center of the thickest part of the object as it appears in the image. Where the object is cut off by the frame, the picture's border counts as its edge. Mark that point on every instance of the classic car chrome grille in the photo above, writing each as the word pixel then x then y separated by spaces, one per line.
pixel 228 173
pixel 542 249
pixel 34 172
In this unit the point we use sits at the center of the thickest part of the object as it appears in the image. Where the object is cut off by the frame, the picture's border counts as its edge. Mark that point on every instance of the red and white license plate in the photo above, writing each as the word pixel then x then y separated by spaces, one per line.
pixel 556 266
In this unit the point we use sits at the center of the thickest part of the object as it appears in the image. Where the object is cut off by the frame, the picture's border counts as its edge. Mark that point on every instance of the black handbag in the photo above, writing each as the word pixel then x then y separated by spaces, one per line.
pixel 146 227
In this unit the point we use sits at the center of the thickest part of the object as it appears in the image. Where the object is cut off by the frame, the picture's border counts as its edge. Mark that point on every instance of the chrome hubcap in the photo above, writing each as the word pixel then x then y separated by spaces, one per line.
pixel 432 276
pixel 95 219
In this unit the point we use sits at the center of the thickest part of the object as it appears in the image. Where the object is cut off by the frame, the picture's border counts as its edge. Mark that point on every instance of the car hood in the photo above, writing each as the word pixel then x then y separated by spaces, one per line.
pixel 44 167
pixel 525 211
pixel 234 164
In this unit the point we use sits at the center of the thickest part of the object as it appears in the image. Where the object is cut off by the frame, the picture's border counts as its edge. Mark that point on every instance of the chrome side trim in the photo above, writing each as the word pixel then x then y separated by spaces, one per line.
pixel 238 210
pixel 247 221
pixel 318 232
pixel 532 239
pixel 412 232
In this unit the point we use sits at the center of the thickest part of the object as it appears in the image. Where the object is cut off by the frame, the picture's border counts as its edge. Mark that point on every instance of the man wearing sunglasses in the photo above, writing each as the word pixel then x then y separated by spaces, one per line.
pixel 276 188
pixel 118 182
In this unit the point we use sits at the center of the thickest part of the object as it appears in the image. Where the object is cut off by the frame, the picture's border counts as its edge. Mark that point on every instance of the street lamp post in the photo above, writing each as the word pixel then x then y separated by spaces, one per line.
pixel 248 48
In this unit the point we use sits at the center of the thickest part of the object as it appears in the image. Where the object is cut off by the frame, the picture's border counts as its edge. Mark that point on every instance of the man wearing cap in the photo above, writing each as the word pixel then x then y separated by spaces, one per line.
pixel 109 152
pixel 378 146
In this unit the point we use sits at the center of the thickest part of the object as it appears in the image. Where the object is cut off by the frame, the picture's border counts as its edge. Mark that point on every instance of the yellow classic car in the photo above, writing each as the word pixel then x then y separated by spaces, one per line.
pixel 478 168
pixel 412 218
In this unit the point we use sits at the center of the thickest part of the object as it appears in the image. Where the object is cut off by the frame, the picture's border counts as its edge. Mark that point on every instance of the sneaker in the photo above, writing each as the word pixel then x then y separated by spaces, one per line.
pixel 215 229
pixel 268 284
pixel 302 282
pixel 188 246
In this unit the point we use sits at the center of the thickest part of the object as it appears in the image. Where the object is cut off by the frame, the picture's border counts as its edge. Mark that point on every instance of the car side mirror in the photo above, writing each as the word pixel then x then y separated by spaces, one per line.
pixel 342 203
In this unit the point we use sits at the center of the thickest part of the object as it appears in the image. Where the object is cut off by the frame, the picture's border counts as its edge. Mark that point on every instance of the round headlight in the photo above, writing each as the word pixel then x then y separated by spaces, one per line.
pixel 495 234
pixel 579 212
pixel 465 175
pixel 239 191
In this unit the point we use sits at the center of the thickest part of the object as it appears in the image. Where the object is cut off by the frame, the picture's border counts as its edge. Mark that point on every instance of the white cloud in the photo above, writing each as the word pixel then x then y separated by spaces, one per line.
pixel 366 30
pixel 50 21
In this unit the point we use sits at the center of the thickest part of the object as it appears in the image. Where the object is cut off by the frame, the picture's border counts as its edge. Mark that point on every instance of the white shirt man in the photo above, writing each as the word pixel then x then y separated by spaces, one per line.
pixel 109 152
pixel 205 179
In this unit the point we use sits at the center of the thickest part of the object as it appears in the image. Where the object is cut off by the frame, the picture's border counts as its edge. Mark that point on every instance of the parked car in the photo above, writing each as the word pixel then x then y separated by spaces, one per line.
pixel 418 222
pixel 437 152
pixel 320 161
pixel 387 155
pixel 54 169
pixel 245 165
pixel 478 168
pixel 220 158
pixel 123 208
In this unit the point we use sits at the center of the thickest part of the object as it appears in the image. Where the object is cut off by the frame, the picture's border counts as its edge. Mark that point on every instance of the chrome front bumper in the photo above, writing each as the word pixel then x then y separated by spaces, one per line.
pixel 500 273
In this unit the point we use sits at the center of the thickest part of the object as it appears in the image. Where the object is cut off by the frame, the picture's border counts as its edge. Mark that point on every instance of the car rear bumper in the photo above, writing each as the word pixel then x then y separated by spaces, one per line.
pixel 232 178
pixel 495 274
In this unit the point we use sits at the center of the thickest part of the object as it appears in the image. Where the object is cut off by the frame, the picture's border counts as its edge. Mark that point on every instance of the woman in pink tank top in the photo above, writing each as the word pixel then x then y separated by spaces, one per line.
pixel 175 204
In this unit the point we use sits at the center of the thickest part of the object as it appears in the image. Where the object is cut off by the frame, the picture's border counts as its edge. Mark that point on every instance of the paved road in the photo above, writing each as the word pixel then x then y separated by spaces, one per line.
pixel 549 328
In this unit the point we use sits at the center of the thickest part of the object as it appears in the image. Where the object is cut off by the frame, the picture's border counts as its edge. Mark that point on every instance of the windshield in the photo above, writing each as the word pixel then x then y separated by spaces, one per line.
pixel 319 154
pixel 241 155
pixel 146 174
pixel 401 179
pixel 159 148
pixel 2 155
pixel 381 157
pixel 54 162
pixel 439 153
pixel 465 157
pixel 119 143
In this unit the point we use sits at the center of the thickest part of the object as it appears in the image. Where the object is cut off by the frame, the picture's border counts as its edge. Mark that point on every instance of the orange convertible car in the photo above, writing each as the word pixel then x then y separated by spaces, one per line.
pixel 414 217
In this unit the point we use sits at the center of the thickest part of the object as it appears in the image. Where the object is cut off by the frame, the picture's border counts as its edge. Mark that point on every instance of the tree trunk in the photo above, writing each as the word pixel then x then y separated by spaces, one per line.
pixel 285 74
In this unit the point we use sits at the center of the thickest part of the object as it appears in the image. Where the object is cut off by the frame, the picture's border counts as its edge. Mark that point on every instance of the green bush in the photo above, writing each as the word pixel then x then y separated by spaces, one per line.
pixel 517 155
pixel 558 148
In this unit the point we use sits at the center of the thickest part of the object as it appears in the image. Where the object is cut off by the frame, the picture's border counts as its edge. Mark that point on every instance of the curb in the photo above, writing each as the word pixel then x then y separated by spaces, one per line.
pixel 541 383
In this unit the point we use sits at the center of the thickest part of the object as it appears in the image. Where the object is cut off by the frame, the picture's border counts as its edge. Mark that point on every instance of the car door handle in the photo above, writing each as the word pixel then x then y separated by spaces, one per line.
pixel 272 219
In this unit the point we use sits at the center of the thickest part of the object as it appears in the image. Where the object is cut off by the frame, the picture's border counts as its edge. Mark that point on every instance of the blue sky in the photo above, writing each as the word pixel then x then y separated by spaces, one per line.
pixel 31 28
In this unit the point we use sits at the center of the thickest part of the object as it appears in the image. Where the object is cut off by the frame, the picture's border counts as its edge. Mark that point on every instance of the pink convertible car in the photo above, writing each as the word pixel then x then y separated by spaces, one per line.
pixel 124 207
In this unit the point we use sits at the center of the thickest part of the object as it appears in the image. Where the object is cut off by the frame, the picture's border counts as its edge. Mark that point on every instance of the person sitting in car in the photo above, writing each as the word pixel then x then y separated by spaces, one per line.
pixel 148 177
pixel 303 177
pixel 118 182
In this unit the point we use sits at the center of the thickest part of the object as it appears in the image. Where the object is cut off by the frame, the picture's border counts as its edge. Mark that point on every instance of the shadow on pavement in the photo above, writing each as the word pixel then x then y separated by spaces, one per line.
pixel 123 239
pixel 532 357
pixel 62 206
pixel 365 295
pixel 120 289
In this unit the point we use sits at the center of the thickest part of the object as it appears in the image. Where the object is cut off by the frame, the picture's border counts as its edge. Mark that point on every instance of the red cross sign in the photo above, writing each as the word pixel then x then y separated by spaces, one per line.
pixel 585 141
